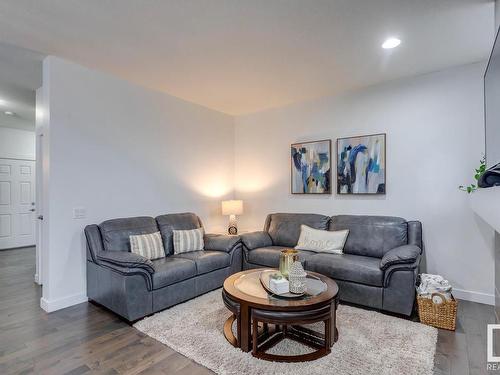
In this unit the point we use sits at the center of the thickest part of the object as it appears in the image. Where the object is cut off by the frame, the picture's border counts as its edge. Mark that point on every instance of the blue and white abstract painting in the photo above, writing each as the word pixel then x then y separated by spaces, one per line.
pixel 361 165
pixel 311 167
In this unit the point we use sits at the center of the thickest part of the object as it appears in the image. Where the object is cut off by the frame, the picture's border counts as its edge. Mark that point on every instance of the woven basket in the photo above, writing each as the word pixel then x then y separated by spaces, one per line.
pixel 439 315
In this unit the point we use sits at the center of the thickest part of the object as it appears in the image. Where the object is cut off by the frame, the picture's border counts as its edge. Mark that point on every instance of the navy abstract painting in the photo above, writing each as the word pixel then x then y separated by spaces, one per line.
pixel 361 165
pixel 311 167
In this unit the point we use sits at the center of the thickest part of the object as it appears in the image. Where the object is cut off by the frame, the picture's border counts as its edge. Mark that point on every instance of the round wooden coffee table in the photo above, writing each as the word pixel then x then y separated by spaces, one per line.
pixel 263 319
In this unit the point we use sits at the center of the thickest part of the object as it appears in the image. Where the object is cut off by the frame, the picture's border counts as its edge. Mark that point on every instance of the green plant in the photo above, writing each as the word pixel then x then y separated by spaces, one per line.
pixel 479 172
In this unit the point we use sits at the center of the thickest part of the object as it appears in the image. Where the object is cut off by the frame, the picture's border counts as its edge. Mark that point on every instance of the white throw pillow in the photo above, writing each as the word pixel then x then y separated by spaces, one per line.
pixel 188 240
pixel 148 245
pixel 322 241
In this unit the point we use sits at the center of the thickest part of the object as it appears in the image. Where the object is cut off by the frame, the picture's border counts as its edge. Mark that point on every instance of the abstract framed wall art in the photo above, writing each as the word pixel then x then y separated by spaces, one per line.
pixel 311 166
pixel 361 165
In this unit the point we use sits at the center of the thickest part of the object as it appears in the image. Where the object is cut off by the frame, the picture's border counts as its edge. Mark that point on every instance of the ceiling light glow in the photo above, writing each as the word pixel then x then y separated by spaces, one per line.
pixel 9 113
pixel 391 43
pixel 2 102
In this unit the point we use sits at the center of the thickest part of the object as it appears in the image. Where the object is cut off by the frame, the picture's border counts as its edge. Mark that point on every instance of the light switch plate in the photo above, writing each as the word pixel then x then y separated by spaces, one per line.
pixel 79 213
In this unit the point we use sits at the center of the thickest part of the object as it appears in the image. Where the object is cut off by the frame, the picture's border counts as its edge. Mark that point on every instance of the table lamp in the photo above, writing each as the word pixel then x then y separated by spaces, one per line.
pixel 232 208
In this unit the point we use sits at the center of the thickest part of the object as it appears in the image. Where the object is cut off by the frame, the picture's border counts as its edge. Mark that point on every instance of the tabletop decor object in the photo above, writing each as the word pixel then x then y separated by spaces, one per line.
pixel 287 257
pixel 297 278
pixel 232 208
pixel 278 284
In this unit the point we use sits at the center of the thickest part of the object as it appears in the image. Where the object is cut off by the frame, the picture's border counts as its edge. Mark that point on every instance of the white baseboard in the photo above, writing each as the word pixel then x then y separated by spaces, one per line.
pixel 488 299
pixel 61 303
pixel 37 279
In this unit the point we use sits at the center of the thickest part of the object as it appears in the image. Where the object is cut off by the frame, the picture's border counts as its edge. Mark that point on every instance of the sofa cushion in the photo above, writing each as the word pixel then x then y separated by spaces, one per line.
pixel 116 232
pixel 284 229
pixel 171 270
pixel 347 267
pixel 149 246
pixel 206 260
pixel 187 240
pixel 270 256
pixel 371 235
pixel 167 223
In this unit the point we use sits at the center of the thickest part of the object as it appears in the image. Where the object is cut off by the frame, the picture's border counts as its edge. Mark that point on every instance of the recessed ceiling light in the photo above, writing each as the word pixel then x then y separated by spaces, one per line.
pixel 9 113
pixel 391 43
pixel 2 102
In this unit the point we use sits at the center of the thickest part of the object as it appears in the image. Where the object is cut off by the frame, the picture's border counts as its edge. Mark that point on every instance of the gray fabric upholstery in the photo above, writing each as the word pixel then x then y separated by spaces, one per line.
pixel 347 267
pixel 173 294
pixel 220 242
pixel 284 228
pixel 378 269
pixel 116 232
pixel 360 294
pixel 125 294
pixel 415 234
pixel 167 223
pixel 206 260
pixel 125 259
pixel 254 240
pixel 371 235
pixel 133 286
pixel 94 241
pixel 399 293
pixel 400 255
pixel 270 256
pixel 171 270
pixel 400 267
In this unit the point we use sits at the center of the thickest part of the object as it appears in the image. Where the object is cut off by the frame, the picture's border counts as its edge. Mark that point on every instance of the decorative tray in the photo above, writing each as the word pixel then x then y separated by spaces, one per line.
pixel 314 285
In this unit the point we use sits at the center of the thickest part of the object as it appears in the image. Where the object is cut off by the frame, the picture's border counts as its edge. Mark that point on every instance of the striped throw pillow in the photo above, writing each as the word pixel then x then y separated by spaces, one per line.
pixel 149 245
pixel 188 240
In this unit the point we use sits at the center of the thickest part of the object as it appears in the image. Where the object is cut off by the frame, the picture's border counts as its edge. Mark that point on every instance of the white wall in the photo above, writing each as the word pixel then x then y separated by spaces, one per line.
pixel 17 144
pixel 120 150
pixel 435 138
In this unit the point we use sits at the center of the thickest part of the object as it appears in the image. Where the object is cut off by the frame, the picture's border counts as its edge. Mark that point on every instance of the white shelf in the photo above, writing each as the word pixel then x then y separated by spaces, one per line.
pixel 486 203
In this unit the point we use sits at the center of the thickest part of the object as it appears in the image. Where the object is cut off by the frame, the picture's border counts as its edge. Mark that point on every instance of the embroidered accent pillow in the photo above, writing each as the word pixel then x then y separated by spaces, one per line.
pixel 188 240
pixel 322 241
pixel 149 245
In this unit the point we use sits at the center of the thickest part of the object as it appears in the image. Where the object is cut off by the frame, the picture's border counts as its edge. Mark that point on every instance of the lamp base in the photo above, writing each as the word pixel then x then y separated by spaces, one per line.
pixel 232 229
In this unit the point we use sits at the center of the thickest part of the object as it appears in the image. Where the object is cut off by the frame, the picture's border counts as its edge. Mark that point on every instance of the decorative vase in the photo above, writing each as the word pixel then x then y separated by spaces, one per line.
pixel 287 257
pixel 297 278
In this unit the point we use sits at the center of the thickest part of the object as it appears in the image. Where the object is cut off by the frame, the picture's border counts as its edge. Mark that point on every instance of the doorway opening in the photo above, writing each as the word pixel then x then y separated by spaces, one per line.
pixel 20 164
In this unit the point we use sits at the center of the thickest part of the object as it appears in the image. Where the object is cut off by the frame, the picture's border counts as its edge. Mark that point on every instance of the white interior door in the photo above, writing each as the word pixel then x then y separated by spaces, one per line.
pixel 17 203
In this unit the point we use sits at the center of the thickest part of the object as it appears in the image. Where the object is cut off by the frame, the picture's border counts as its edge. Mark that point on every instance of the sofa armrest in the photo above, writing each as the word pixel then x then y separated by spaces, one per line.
pixel 94 241
pixel 255 240
pixel 406 254
pixel 220 242
pixel 124 259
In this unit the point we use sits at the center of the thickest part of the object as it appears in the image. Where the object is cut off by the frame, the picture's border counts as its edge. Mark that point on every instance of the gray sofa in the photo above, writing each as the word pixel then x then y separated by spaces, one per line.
pixel 133 286
pixel 380 261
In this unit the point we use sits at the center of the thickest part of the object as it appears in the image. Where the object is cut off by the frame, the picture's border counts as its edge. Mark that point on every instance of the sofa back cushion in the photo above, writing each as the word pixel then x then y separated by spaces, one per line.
pixel 167 223
pixel 284 229
pixel 116 232
pixel 371 236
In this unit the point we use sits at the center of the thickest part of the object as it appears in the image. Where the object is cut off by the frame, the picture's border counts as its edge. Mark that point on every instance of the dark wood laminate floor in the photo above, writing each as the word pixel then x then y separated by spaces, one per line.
pixel 88 339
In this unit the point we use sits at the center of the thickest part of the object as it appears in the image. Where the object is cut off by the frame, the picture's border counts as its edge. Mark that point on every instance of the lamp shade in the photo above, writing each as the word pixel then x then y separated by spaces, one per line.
pixel 232 207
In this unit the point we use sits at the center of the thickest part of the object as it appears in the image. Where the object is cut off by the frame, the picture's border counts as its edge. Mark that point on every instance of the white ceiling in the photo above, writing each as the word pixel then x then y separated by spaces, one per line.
pixel 20 76
pixel 241 56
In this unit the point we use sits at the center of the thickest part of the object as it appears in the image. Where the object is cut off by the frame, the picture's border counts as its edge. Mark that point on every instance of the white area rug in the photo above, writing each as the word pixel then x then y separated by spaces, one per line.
pixel 369 342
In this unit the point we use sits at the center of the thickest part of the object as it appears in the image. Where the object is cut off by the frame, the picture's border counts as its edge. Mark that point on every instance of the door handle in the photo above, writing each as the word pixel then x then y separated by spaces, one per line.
pixel 32 210
pixel 40 217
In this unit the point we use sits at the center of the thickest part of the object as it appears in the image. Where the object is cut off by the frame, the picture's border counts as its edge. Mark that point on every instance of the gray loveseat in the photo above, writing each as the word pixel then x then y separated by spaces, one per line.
pixel 380 261
pixel 133 286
